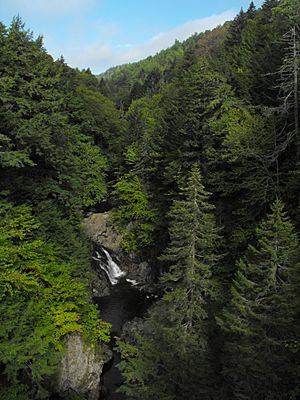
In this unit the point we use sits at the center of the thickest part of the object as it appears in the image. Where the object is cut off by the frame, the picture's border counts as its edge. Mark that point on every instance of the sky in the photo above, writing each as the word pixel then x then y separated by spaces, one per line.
pixel 99 34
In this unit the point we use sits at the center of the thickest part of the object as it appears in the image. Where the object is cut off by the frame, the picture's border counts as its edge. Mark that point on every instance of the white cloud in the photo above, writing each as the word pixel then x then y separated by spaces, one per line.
pixel 182 32
pixel 101 55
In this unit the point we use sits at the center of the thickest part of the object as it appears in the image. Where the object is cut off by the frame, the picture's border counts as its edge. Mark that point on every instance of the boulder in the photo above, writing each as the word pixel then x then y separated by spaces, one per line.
pixel 99 284
pixel 81 369
pixel 101 231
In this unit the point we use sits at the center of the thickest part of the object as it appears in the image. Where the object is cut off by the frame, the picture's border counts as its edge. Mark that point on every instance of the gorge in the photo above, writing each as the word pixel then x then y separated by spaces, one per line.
pixel 152 213
pixel 124 299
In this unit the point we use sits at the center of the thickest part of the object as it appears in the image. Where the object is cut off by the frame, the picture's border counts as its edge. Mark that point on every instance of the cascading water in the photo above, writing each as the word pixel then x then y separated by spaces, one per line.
pixel 124 302
pixel 112 270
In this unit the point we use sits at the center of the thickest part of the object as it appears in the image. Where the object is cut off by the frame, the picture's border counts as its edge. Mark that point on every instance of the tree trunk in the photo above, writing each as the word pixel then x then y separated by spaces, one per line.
pixel 296 112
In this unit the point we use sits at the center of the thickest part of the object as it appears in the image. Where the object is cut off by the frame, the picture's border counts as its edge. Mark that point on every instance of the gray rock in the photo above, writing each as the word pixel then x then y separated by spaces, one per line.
pixel 99 283
pixel 101 231
pixel 81 369
pixel 100 288
pixel 145 272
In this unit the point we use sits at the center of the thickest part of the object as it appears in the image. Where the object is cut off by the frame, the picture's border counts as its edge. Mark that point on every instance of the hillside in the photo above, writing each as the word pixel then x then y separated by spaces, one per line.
pixel 195 153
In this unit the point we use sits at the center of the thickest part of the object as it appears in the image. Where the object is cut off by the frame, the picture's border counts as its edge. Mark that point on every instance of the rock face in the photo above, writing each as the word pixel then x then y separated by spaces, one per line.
pixel 81 369
pixel 102 232
pixel 100 284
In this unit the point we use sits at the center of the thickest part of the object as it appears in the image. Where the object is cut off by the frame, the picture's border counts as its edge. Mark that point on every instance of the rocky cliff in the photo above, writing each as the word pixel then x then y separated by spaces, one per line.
pixel 81 369
pixel 100 229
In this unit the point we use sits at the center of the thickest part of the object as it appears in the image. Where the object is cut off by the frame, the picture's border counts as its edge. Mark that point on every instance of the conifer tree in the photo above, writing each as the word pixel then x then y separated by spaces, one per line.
pixel 261 316
pixel 189 102
pixel 171 360
pixel 191 252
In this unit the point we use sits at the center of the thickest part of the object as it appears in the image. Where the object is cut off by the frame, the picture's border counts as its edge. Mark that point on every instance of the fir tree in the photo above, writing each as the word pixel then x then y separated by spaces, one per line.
pixel 191 252
pixel 260 318
pixel 171 360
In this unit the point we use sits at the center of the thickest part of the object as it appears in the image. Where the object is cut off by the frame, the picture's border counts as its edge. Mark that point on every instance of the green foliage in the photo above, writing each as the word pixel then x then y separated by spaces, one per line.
pixel 134 215
pixel 175 333
pixel 242 171
pixel 214 100
pixel 150 368
pixel 190 101
pixel 94 329
pixel 53 121
pixel 20 392
pixel 145 124
pixel 131 81
pixel 41 301
pixel 49 158
pixel 261 317
pixel 191 252
pixel 99 118
pixel 289 9
pixel 221 106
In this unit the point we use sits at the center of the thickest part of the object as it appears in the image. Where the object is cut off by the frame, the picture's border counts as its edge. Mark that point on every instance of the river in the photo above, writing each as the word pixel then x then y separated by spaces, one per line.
pixel 124 303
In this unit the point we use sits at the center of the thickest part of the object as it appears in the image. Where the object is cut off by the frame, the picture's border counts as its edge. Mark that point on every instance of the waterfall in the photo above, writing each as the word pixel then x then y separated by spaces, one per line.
pixel 133 282
pixel 111 268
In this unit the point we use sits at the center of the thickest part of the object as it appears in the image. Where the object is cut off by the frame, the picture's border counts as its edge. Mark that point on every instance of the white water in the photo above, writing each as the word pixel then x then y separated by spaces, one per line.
pixel 132 281
pixel 112 270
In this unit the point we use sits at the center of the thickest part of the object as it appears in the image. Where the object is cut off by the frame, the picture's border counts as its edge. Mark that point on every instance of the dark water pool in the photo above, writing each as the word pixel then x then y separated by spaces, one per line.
pixel 123 304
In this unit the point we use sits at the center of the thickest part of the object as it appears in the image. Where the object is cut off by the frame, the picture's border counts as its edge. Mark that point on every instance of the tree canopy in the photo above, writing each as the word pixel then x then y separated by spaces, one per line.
pixel 196 152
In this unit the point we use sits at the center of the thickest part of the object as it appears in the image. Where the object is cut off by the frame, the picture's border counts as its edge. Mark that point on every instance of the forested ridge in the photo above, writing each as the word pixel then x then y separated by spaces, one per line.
pixel 197 152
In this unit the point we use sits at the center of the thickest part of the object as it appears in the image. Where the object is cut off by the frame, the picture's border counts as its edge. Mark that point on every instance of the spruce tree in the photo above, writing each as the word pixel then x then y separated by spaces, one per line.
pixel 260 359
pixel 191 253
pixel 171 360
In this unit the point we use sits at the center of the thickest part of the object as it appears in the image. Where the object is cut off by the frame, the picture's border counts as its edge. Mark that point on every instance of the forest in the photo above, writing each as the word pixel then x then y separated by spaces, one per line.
pixel 196 150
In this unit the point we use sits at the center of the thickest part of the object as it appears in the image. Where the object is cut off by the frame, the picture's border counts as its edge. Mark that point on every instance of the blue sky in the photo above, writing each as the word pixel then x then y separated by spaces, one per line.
pixel 103 33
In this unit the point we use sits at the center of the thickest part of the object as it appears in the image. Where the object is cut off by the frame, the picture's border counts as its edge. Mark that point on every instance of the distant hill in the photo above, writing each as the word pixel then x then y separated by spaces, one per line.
pixel 130 81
